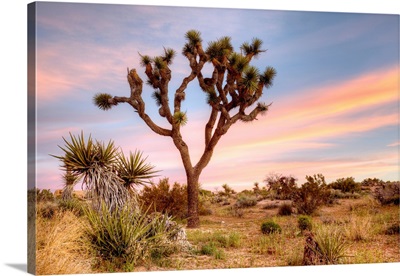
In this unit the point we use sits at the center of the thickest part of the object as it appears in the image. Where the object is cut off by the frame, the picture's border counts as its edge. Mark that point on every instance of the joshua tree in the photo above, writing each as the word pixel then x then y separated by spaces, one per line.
pixel 233 87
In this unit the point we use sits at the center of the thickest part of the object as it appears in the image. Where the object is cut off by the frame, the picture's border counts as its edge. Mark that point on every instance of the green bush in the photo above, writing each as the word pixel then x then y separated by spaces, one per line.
pixel 269 227
pixel 73 205
pixel 311 195
pixel 281 187
pixel 304 222
pixel 346 185
pixel 285 209
pixel 245 201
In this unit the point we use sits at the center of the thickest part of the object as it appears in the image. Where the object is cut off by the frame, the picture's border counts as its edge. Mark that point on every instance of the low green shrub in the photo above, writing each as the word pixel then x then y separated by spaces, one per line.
pixel 304 222
pixel 285 209
pixel 311 195
pixel 73 205
pixel 269 227
pixel 245 201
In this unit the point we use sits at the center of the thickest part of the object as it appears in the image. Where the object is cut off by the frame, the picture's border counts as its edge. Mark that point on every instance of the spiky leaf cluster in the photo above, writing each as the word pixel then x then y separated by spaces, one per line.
pixel 180 118
pixel 102 101
pixel 134 170
pixel 219 49
pixel 252 49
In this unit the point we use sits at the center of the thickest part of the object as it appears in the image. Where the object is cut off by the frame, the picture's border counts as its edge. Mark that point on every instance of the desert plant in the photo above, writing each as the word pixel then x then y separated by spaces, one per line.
pixel 44 195
pixel 245 201
pixel 311 195
pixel 304 222
pixel 358 228
pixel 60 246
pixel 282 187
pixel 134 171
pixel 332 244
pixel 73 205
pixel 233 87
pixel 47 209
pixel 346 185
pixel 285 209
pixel 270 226
pixel 166 199
pixel 126 236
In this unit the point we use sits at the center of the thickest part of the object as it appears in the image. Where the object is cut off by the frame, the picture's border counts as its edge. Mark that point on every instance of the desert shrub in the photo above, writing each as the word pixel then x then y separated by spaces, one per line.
pixel 210 249
pixel 73 205
pixel 236 211
pixel 245 201
pixel 126 237
pixel 269 227
pixel 47 209
pixel 285 209
pixel 164 199
pixel 281 187
pixel 368 182
pixel 228 191
pixel 388 193
pixel 346 185
pixel 43 195
pixel 311 195
pixel 304 222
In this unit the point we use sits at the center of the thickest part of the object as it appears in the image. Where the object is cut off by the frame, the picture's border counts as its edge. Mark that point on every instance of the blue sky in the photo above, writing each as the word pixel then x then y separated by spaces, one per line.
pixel 334 99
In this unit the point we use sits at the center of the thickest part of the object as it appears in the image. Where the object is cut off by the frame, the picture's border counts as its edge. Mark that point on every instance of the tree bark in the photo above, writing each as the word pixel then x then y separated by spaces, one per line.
pixel 193 200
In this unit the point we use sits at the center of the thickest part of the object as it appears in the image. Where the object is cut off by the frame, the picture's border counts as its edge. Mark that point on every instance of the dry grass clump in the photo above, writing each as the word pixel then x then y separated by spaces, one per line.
pixel 60 246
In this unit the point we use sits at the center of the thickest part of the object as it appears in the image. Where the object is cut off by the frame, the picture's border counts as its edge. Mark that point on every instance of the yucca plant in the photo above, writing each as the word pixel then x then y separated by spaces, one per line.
pixel 134 170
pixel 332 244
pixel 127 236
pixel 94 162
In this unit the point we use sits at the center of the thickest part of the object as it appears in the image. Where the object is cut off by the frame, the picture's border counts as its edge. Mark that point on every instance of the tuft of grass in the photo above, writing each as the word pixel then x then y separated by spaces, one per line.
pixel 61 248
pixel 359 228
pixel 332 244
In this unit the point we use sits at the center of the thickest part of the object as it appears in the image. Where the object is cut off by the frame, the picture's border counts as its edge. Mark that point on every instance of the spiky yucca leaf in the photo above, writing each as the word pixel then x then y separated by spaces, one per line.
pixel 193 37
pixel 268 76
pixel 180 118
pixel 238 62
pixel 212 98
pixel 250 79
pixel 144 60
pixel 254 48
pixel 102 101
pixel 157 97
pixel 219 48
pixel 169 55
pixel 134 170
pixel 159 63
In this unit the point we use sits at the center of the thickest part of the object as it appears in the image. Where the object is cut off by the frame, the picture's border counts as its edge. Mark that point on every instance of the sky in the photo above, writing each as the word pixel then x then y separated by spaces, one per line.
pixel 334 100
